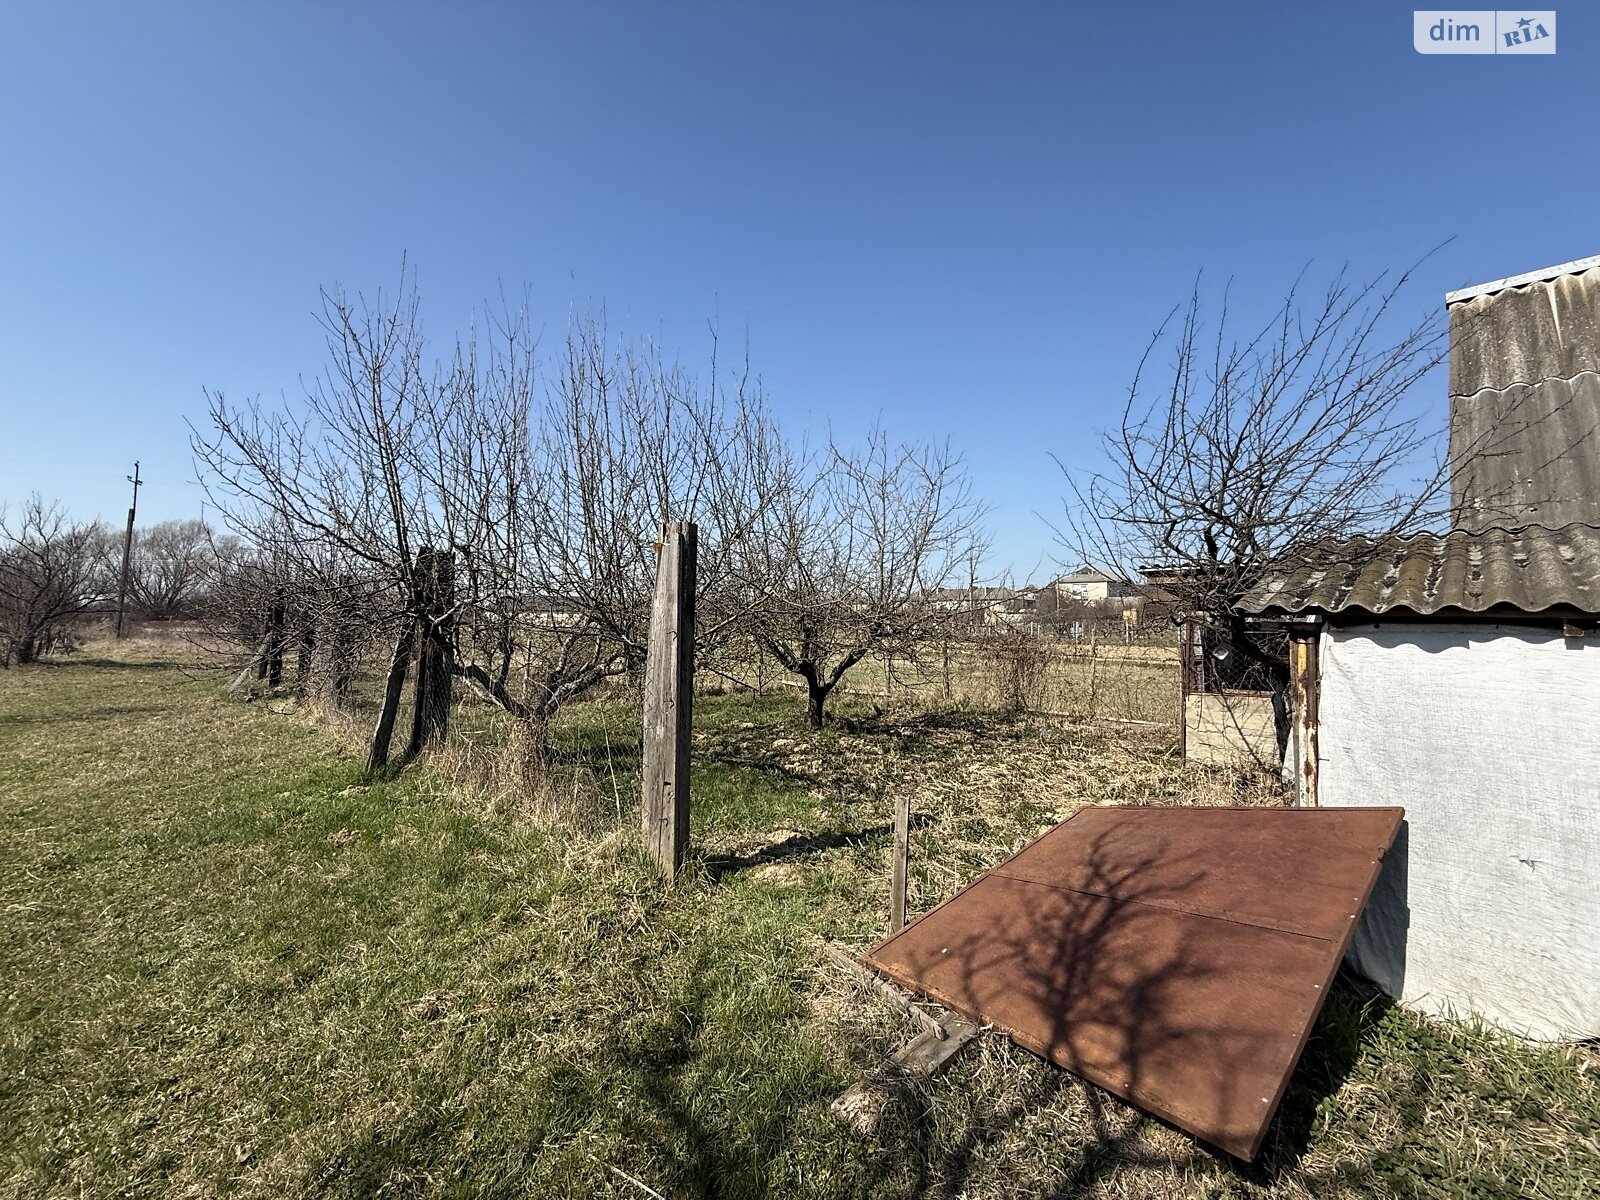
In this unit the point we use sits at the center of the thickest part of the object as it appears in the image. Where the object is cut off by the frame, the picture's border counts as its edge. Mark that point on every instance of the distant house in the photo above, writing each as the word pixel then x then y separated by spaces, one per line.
pixel 973 599
pixel 1088 583
pixel 1021 608
pixel 1458 674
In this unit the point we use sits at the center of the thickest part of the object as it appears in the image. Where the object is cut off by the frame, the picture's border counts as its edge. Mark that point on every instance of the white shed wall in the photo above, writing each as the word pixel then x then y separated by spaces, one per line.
pixel 1489 736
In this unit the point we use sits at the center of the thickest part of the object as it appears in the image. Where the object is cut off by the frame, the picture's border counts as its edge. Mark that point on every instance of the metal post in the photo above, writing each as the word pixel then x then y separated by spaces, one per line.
pixel 127 549
pixel 898 867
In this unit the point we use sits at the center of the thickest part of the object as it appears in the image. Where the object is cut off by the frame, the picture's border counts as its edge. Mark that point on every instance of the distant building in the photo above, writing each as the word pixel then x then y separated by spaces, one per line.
pixel 974 599
pixel 1088 583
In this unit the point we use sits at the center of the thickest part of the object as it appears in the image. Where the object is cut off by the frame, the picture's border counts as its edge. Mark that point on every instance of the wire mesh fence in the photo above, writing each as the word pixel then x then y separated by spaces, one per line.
pixel 1107 672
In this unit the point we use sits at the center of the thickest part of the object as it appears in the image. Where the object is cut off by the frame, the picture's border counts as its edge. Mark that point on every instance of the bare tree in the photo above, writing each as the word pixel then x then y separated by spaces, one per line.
pixel 334 479
pixel 536 491
pixel 622 442
pixel 844 558
pixel 1253 453
pixel 173 563
pixel 52 572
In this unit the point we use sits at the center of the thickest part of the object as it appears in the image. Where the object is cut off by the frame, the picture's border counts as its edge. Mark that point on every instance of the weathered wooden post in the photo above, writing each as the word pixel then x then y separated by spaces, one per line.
pixel 668 698
pixel 1094 664
pixel 898 867
pixel 1303 693
pixel 342 650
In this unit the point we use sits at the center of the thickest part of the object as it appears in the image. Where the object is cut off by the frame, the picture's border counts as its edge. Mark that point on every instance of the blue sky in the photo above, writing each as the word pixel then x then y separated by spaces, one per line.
pixel 966 218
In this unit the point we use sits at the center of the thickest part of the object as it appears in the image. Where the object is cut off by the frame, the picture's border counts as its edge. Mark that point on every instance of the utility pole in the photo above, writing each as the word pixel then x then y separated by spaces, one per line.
pixel 127 548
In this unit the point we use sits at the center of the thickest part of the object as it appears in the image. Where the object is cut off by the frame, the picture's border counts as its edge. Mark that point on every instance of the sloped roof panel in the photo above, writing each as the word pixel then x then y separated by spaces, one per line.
pixel 1525 403
pixel 1527 453
pixel 1530 569
pixel 1544 330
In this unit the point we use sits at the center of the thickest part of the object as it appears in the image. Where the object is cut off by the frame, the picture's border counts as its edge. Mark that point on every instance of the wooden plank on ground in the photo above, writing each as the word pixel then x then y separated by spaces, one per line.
pixel 863 1104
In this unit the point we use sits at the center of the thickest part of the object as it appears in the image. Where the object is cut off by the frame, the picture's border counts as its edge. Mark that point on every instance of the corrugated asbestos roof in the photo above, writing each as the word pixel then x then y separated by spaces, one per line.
pixel 1531 569
pixel 1525 403
pixel 1526 455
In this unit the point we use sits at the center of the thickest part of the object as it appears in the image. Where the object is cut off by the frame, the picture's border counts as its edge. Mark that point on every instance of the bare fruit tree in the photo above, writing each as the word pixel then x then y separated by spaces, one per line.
pixel 557 600
pixel 174 562
pixel 490 517
pixel 1239 454
pixel 52 572
pixel 329 486
pixel 845 558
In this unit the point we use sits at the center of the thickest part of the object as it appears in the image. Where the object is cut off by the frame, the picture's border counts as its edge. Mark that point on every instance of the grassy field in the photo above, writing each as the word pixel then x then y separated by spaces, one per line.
pixel 234 967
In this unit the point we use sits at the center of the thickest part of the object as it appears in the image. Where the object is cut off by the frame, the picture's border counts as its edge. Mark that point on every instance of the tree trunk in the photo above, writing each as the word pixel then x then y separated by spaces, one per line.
pixel 816 698
pixel 27 650
pixel 275 642
pixel 394 685
pixel 340 637
pixel 302 663
pixel 431 716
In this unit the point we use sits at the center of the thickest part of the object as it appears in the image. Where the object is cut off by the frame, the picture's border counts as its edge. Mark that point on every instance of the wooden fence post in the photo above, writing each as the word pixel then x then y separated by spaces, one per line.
pixel 902 860
pixel 1304 687
pixel 668 698
pixel 305 647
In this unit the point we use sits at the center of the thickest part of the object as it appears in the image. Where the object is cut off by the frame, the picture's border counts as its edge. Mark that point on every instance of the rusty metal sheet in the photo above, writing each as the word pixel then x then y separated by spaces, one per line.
pixel 1177 957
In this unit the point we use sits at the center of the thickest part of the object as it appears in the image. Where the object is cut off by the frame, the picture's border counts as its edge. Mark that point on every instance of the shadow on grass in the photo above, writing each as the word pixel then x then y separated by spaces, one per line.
pixel 916 724
pixel 107 664
pixel 1346 1028
pixel 96 714
pixel 803 845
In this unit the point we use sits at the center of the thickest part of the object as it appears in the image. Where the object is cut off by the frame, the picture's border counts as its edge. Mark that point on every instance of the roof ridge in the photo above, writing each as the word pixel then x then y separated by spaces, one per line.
pixel 1527 279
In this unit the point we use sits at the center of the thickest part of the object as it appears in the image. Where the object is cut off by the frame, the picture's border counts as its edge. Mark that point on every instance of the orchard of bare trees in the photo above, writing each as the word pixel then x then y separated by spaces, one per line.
pixel 53 570
pixel 57 573
pixel 484 516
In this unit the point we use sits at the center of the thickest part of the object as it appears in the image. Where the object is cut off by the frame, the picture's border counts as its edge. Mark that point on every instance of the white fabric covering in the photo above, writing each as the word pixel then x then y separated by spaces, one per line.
pixel 1489 737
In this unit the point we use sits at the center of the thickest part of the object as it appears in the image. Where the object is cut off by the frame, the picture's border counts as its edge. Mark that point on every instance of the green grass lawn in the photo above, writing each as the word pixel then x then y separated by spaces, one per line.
pixel 231 967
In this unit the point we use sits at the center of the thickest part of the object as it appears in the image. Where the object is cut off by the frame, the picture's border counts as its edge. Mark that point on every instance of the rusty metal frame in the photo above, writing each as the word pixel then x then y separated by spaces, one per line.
pixel 1177 957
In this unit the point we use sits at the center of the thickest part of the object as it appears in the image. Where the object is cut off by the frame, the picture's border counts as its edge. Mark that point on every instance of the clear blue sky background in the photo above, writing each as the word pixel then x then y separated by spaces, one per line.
pixel 964 217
